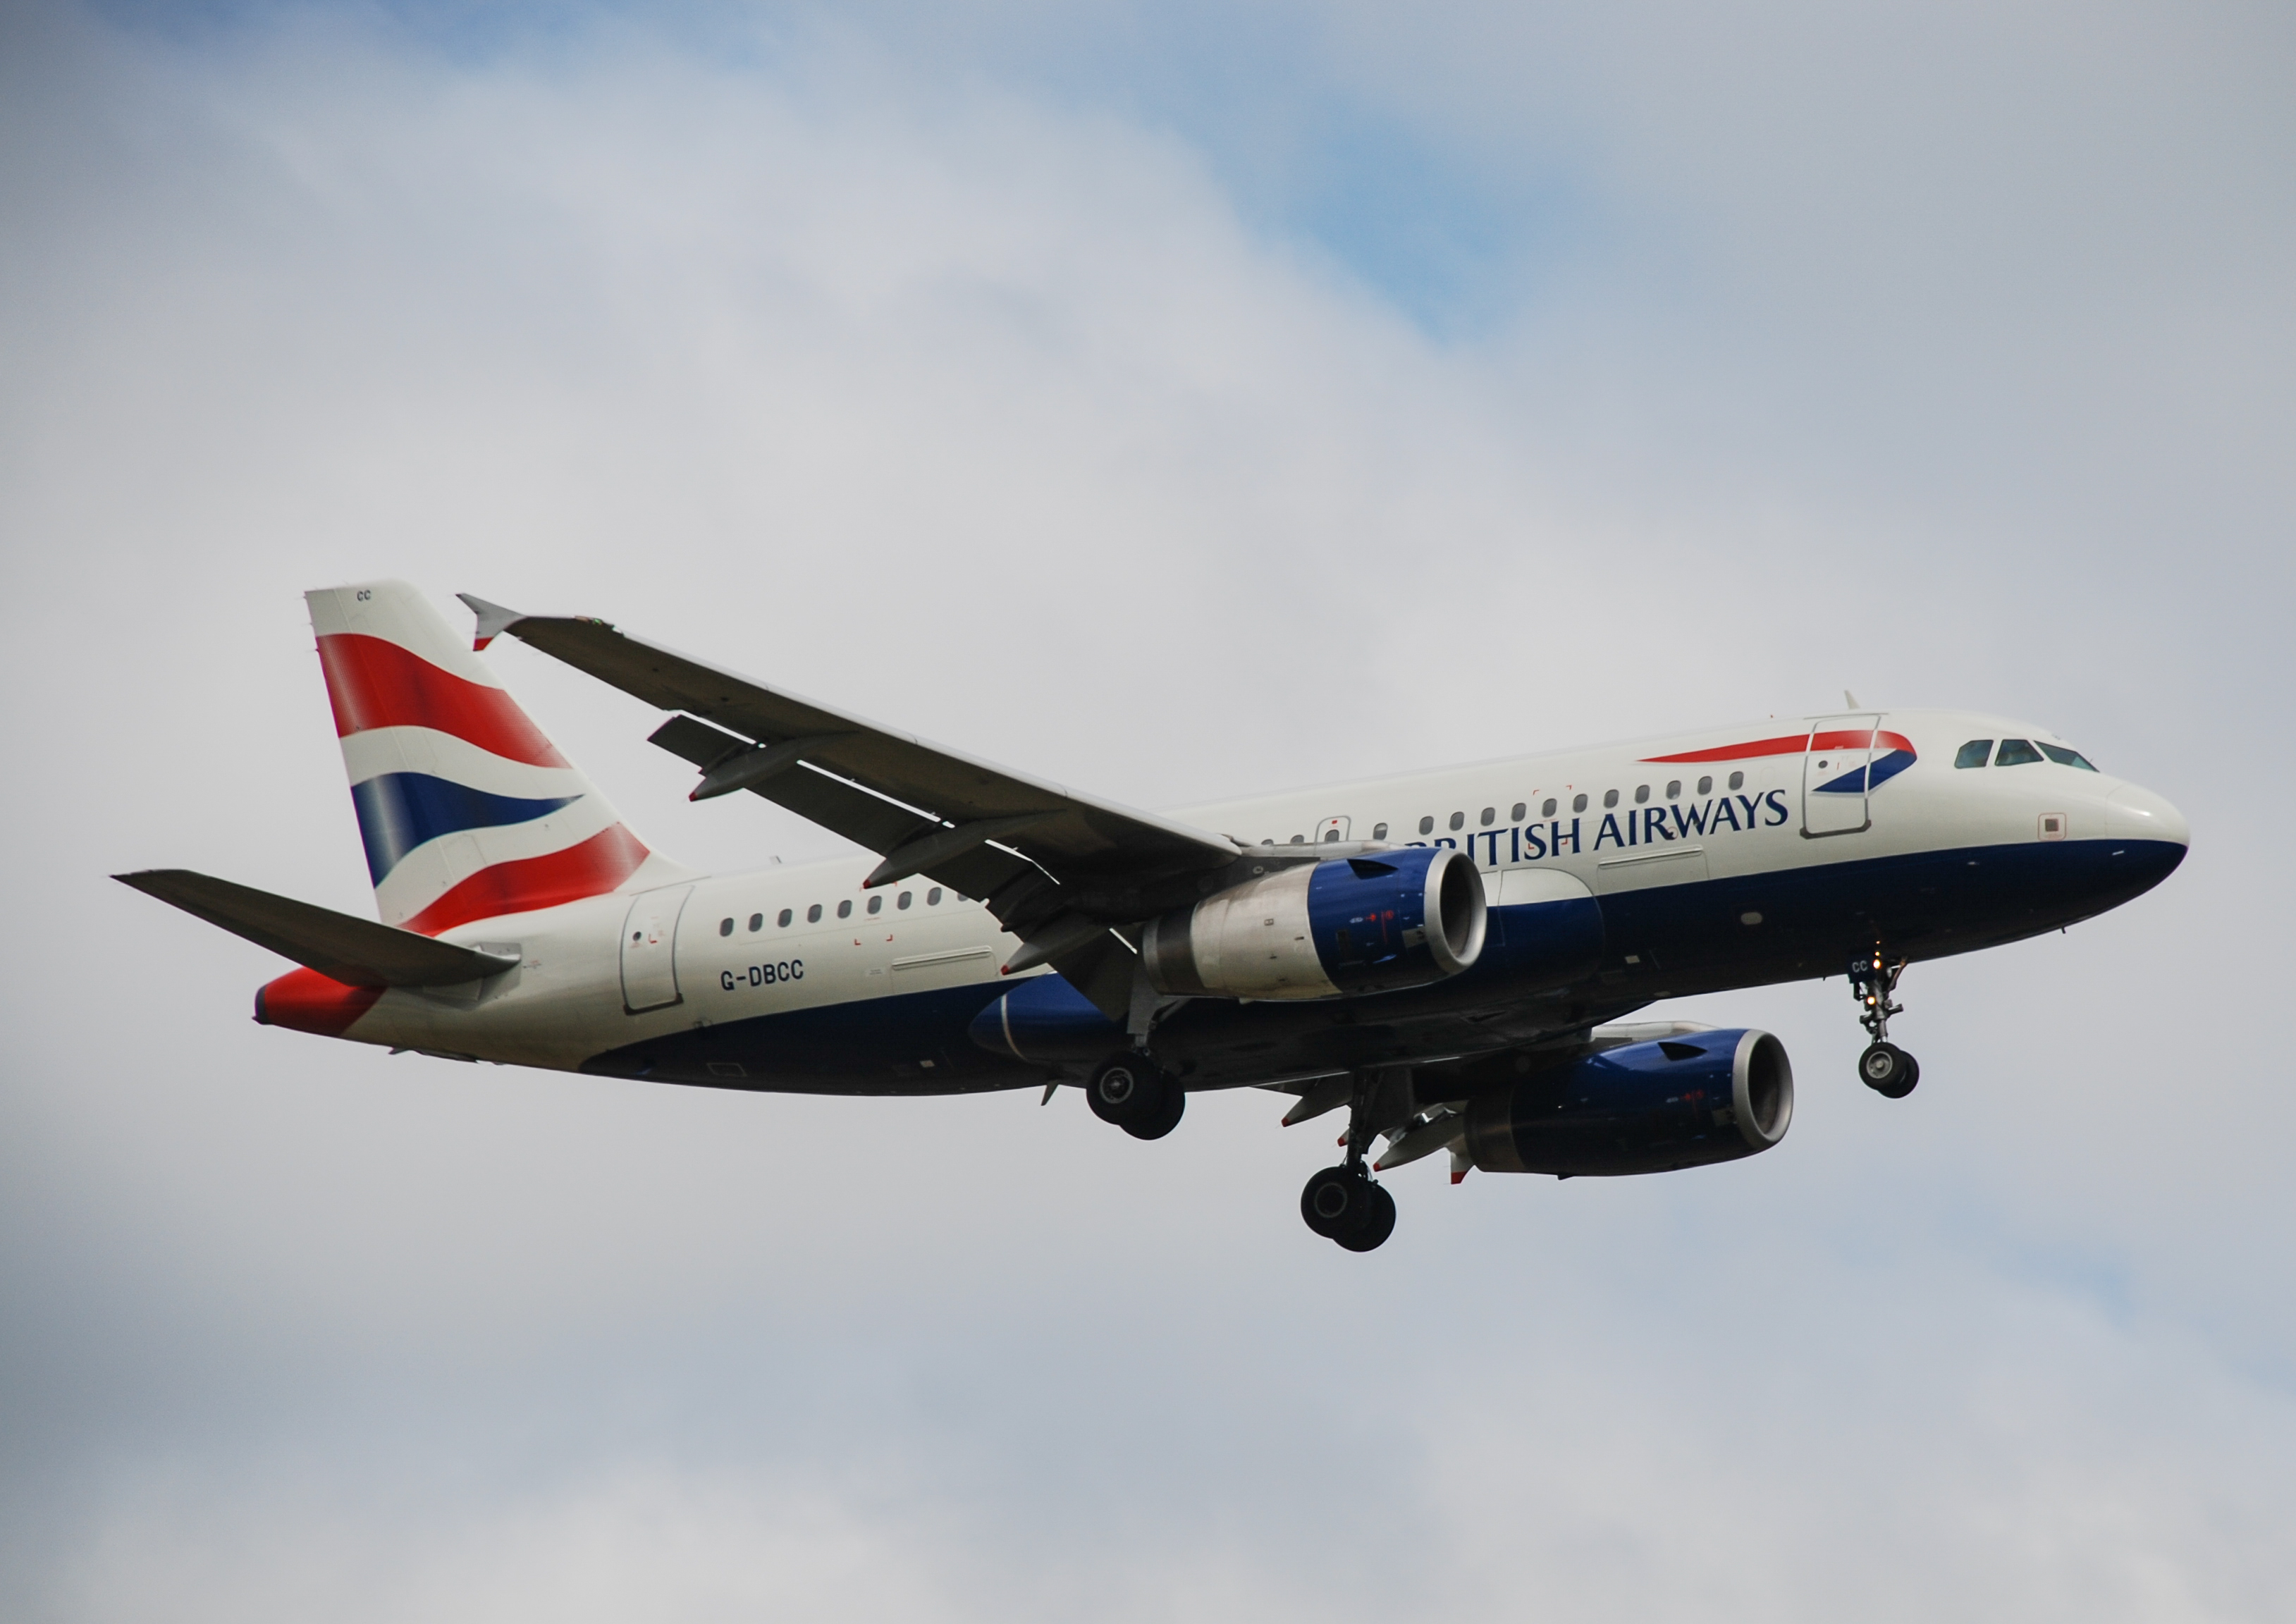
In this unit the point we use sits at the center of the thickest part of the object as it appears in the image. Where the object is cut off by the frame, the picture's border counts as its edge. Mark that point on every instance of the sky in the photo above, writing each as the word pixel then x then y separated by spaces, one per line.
pixel 1180 402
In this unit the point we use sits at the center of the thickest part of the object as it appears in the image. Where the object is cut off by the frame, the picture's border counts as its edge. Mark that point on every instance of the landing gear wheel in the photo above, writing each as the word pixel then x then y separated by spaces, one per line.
pixel 1133 1096
pixel 1889 1070
pixel 1165 1117
pixel 1379 1223
pixel 1343 1204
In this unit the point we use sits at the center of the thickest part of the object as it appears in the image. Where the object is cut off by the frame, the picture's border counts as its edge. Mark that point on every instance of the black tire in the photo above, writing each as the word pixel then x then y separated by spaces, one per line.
pixel 1378 1224
pixel 1888 1070
pixel 1118 1090
pixel 1128 1091
pixel 1337 1202
pixel 1166 1117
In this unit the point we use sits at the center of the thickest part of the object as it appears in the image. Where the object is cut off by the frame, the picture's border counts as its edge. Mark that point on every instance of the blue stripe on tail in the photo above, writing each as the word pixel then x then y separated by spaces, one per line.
pixel 400 811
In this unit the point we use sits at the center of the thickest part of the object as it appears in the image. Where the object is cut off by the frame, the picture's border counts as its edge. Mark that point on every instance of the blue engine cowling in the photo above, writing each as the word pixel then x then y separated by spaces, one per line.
pixel 1045 1020
pixel 1370 924
pixel 1681 1102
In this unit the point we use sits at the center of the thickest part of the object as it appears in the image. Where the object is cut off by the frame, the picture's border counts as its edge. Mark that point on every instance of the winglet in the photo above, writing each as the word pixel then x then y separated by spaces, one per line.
pixel 494 619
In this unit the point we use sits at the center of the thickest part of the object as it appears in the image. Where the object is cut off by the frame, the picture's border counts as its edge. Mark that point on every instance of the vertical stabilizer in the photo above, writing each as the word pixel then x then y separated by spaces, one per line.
pixel 467 812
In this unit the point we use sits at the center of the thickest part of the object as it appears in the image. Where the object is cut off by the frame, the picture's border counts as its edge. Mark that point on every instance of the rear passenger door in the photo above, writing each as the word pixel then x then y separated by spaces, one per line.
pixel 650 948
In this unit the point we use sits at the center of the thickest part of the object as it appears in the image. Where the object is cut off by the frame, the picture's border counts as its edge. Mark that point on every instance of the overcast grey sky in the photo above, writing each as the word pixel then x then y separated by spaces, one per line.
pixel 1181 402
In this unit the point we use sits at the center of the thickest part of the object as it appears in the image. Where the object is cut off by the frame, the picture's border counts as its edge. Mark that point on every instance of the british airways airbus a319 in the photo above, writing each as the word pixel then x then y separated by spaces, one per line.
pixel 1448 956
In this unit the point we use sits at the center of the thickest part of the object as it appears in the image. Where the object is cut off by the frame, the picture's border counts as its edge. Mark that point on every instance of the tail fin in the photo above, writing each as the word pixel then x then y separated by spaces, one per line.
pixel 467 811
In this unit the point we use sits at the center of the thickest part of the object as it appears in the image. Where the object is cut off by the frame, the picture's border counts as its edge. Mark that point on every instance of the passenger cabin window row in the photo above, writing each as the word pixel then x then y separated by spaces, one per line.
pixel 788 916
pixel 1552 804
pixel 2019 752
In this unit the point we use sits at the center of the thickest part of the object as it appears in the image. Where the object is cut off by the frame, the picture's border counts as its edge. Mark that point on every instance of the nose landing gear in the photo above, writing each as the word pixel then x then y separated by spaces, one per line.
pixel 1885 1068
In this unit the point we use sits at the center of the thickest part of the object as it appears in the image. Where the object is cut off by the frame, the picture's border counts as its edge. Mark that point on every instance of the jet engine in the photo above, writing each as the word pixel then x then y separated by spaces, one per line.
pixel 1359 924
pixel 1681 1102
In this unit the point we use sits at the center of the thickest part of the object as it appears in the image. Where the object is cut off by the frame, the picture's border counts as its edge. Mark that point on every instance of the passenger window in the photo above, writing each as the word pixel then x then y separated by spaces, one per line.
pixel 1578 802
pixel 1610 798
pixel 1427 826
pixel 932 897
pixel 877 903
pixel 1331 834
pixel 1674 788
pixel 1973 753
pixel 1299 839
pixel 2063 757
pixel 906 898
pixel 1490 815
pixel 845 908
pixel 757 922
pixel 1737 780
pixel 1520 807
pixel 724 927
pixel 1458 820
pixel 1706 786
pixel 813 915
pixel 783 920
pixel 1548 809
pixel 1379 831
pixel 1641 793
pixel 2016 753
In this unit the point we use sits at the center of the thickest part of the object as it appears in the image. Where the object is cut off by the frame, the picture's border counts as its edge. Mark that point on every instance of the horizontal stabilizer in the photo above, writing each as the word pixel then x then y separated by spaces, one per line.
pixel 356 952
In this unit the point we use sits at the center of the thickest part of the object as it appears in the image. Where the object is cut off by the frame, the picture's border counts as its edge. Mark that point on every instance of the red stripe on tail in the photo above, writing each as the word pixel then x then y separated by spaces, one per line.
pixel 373 682
pixel 591 869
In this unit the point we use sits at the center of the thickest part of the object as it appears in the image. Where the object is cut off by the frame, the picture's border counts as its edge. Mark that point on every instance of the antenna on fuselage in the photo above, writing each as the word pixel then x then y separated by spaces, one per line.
pixel 1851 700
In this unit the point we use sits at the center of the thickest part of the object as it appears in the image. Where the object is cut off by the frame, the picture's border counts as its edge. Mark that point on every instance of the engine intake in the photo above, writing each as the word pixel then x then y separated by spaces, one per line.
pixel 1681 1102
pixel 1360 924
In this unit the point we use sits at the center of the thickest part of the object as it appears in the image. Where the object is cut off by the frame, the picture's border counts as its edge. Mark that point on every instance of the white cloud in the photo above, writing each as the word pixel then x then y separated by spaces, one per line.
pixel 913 382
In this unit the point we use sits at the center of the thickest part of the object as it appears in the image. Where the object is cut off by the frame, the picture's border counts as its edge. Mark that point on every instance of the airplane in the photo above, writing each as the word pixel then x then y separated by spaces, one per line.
pixel 1450 956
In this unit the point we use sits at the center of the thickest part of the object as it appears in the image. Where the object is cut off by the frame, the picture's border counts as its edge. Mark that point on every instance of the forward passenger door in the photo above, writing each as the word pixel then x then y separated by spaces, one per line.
pixel 1835 797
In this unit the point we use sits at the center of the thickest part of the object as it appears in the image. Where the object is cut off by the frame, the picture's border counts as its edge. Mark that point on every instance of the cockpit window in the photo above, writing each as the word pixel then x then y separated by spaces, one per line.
pixel 2016 753
pixel 1973 753
pixel 2063 757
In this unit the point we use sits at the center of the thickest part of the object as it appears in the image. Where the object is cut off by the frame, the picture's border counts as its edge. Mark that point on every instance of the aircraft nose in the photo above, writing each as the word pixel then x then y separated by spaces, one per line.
pixel 2134 814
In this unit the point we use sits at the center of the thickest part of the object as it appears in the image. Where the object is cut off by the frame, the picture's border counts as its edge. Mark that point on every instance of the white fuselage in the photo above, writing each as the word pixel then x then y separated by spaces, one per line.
pixel 613 971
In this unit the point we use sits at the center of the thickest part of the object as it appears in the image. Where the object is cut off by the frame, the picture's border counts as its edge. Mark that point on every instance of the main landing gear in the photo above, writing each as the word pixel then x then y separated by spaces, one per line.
pixel 1343 1203
pixel 1129 1091
pixel 1885 1068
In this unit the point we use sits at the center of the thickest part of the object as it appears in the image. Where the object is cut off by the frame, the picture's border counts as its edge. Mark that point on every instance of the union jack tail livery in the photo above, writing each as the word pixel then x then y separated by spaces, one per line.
pixel 466 811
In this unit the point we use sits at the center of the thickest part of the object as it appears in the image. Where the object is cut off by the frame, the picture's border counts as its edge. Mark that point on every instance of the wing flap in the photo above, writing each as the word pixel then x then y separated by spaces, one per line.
pixel 869 820
pixel 1020 894
pixel 356 952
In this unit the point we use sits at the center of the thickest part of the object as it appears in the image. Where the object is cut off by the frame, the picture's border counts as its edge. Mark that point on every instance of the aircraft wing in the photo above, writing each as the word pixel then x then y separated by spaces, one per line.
pixel 1057 867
